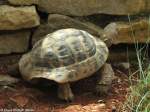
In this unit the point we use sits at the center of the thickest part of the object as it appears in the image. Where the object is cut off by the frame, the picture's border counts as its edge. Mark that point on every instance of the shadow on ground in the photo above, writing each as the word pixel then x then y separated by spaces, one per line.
pixel 26 97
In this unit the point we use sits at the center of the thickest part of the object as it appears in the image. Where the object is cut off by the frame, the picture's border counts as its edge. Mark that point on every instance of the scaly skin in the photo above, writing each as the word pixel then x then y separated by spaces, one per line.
pixel 65 93
pixel 104 79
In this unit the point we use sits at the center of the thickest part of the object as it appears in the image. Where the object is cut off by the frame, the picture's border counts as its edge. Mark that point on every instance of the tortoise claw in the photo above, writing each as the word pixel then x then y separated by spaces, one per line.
pixel 102 90
pixel 65 93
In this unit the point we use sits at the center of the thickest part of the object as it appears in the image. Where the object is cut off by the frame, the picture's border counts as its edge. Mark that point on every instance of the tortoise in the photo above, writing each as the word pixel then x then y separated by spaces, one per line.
pixel 65 56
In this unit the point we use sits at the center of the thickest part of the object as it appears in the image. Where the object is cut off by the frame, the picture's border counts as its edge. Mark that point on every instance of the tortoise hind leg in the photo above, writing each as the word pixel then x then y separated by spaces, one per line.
pixel 64 92
pixel 104 79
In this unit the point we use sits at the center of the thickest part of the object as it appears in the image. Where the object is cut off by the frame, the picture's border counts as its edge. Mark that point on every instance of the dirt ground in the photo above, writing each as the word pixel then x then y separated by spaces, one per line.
pixel 24 97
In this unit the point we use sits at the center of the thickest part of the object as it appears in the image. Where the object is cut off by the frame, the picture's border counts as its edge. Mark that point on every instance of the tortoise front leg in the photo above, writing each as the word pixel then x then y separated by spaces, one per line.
pixel 104 79
pixel 64 92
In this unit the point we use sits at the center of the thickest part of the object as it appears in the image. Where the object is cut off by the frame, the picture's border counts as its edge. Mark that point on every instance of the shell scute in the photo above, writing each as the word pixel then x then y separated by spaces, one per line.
pixel 71 48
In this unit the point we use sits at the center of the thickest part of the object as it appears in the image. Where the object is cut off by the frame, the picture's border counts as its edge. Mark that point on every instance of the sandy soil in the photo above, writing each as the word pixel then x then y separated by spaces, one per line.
pixel 23 97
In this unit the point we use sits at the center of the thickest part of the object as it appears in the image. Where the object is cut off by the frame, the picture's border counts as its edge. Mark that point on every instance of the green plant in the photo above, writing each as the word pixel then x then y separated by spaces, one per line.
pixel 138 99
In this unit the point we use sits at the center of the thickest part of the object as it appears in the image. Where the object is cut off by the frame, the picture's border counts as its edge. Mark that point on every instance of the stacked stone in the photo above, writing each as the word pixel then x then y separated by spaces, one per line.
pixel 18 17
pixel 15 24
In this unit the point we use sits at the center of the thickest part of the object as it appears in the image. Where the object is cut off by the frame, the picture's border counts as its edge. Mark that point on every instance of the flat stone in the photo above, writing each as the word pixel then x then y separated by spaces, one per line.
pixel 56 22
pixel 13 18
pixel 60 21
pixel 23 2
pixel 14 42
pixel 101 106
pixel 88 7
pixel 129 32
pixel 7 80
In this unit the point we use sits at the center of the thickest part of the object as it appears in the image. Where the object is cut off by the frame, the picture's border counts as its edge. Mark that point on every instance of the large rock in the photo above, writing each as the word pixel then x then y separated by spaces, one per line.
pixel 56 22
pixel 129 32
pixel 88 7
pixel 148 5
pixel 14 42
pixel 2 2
pixel 23 2
pixel 12 18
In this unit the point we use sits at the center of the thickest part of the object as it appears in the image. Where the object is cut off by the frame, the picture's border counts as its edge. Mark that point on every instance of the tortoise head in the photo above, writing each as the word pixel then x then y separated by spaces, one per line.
pixel 110 34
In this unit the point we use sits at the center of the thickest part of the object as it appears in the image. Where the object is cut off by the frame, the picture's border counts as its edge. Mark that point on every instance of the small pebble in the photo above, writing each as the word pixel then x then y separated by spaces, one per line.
pixel 102 106
pixel 114 109
pixel 100 101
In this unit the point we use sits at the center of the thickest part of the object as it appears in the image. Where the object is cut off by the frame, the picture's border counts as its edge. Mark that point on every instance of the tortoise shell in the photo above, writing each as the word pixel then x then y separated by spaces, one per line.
pixel 63 56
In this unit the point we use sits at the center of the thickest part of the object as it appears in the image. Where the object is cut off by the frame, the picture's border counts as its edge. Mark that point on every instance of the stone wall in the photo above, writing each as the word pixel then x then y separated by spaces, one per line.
pixel 23 22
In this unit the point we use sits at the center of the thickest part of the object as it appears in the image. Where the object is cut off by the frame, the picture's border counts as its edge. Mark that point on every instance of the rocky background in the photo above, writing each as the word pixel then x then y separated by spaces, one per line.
pixel 23 22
